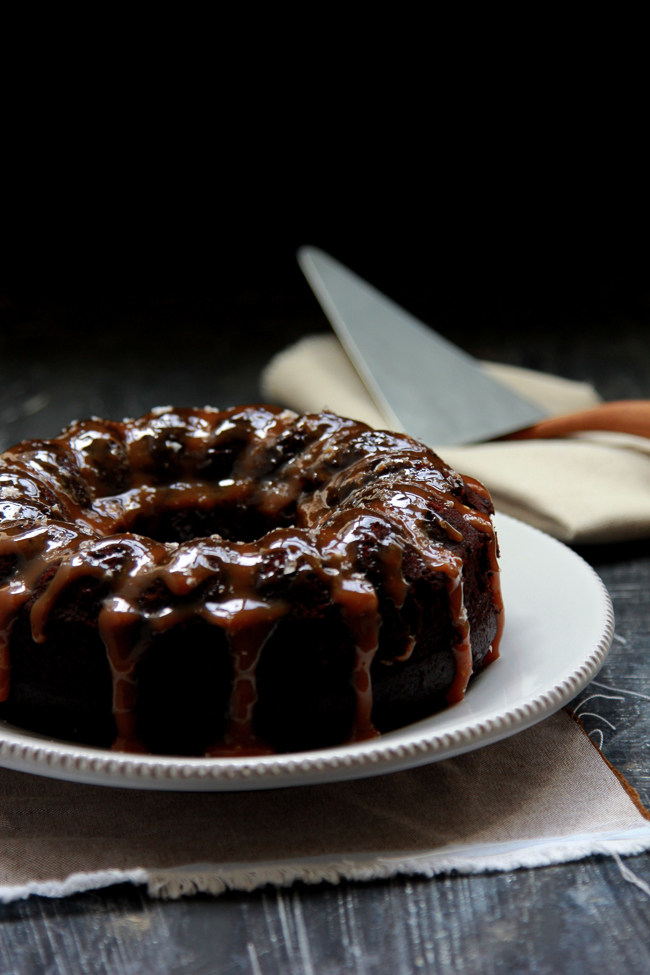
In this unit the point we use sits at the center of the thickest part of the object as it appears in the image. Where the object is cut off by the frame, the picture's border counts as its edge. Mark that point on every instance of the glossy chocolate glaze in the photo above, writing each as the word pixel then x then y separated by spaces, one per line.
pixel 278 498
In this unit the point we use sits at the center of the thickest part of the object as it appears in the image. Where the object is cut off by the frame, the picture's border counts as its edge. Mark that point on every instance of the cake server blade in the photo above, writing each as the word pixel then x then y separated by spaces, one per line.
pixel 421 383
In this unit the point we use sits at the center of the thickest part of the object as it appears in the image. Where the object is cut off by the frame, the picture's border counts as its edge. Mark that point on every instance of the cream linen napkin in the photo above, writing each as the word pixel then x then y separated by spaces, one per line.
pixel 543 796
pixel 591 487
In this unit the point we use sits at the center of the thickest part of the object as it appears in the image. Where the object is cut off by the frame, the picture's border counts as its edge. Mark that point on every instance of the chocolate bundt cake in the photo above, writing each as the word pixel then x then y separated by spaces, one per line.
pixel 238 582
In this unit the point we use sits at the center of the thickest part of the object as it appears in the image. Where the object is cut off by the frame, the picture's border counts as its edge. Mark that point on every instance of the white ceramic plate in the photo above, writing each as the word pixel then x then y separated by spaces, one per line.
pixel 559 627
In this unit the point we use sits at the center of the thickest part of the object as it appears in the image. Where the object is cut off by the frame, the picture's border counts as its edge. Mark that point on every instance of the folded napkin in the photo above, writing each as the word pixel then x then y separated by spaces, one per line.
pixel 589 487
pixel 543 796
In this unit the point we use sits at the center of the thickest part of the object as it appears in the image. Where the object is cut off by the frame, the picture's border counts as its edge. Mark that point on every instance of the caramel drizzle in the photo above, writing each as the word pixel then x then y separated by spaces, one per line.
pixel 385 478
pixel 414 504
pixel 34 549
pixel 484 524
pixel 248 627
pixel 358 602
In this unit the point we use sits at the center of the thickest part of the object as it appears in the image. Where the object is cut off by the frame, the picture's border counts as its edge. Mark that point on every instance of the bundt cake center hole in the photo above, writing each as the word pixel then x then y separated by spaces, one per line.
pixel 233 522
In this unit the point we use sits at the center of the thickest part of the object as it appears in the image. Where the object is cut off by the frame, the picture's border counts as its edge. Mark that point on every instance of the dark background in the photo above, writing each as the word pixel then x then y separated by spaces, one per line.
pixel 154 191
pixel 152 203
pixel 187 273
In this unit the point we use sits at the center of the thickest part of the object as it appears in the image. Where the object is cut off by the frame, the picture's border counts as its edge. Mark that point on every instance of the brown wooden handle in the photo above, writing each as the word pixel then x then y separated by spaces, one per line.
pixel 623 416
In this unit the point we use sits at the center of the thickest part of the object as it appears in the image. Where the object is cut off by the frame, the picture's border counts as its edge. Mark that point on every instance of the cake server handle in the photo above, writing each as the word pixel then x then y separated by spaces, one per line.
pixel 621 416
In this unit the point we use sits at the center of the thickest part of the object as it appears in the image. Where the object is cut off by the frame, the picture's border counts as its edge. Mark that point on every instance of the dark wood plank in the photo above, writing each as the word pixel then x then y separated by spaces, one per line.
pixel 580 916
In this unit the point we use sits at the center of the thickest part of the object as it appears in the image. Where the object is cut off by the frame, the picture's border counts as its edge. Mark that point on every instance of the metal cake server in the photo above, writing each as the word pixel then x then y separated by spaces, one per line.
pixel 420 382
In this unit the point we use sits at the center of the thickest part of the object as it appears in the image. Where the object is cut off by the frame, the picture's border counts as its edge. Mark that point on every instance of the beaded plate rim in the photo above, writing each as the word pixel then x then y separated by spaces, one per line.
pixel 411 746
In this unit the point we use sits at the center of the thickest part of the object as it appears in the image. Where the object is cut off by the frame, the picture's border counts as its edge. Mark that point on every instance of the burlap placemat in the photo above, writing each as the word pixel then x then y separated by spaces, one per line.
pixel 543 796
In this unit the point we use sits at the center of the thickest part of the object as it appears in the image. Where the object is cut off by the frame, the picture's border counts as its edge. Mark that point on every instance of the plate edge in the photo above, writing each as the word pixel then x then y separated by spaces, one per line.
pixel 21 752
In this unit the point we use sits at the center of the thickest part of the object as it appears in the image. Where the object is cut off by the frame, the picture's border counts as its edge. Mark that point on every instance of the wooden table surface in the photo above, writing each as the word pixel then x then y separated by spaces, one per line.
pixel 60 363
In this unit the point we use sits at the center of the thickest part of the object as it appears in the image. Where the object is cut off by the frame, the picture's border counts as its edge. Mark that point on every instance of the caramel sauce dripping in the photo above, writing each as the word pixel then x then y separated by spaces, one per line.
pixel 484 524
pixel 71 505
pixel 359 604
pixel 249 624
